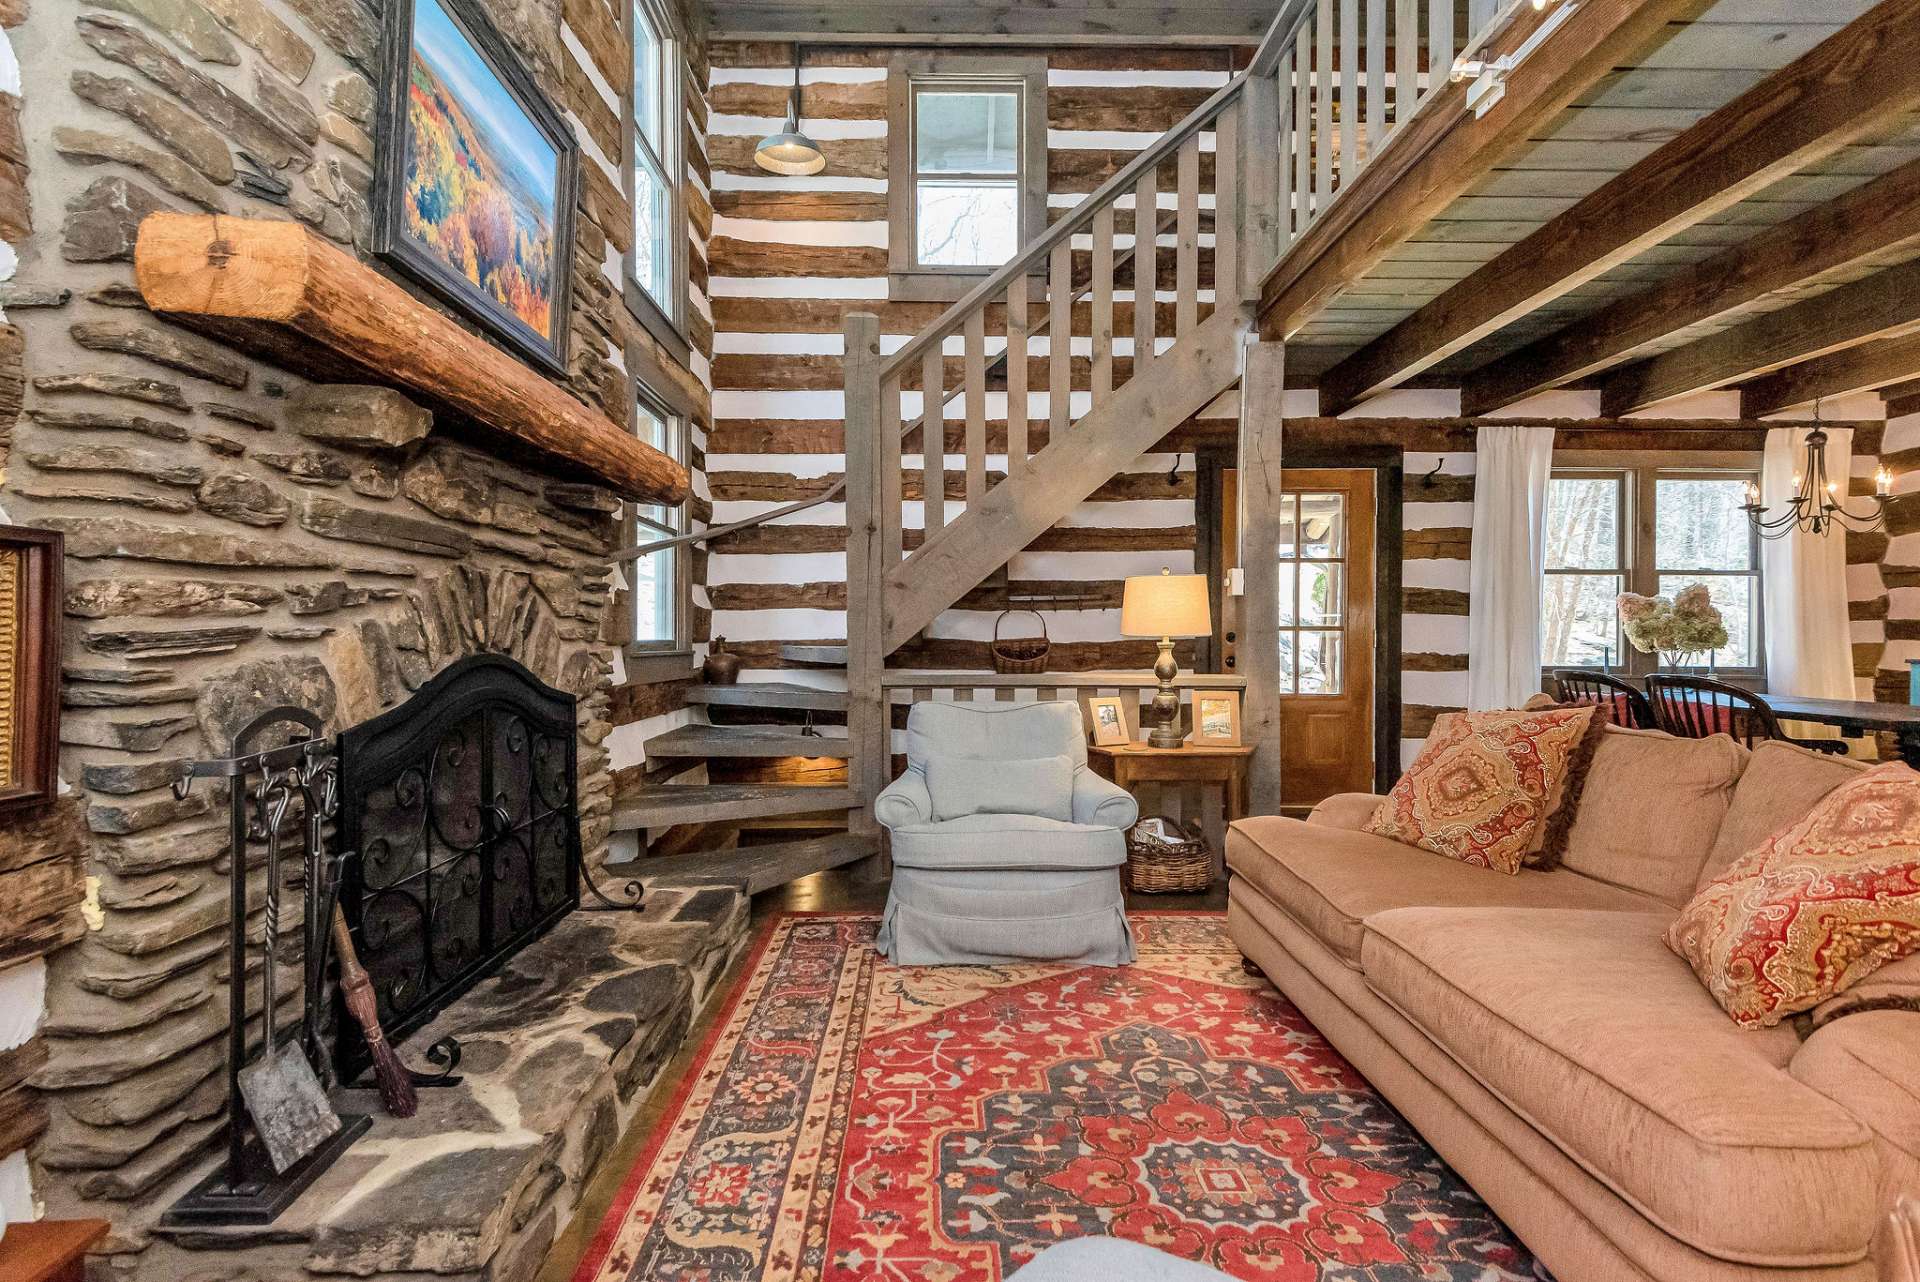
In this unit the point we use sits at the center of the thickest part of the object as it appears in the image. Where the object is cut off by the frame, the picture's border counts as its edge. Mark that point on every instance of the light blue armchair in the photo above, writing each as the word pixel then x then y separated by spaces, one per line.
pixel 1006 847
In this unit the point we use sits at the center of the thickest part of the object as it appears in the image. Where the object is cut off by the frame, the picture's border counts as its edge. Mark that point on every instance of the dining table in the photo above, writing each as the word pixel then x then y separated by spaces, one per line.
pixel 1856 717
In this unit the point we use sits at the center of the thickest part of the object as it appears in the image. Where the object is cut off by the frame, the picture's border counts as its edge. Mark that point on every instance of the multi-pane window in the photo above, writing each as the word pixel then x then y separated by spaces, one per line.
pixel 1313 593
pixel 654 580
pixel 966 174
pixel 653 127
pixel 1654 530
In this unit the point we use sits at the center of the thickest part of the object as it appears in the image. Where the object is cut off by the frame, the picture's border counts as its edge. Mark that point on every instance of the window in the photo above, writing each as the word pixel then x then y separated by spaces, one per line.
pixel 1313 574
pixel 1652 527
pixel 656 581
pixel 969 136
pixel 656 266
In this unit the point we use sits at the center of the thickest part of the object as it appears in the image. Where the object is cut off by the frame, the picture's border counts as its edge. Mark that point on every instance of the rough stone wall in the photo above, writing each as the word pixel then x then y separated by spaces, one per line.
pixel 238 537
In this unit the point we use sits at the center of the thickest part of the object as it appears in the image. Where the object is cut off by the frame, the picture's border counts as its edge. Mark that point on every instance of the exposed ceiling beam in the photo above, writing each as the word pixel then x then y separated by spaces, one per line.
pixel 1446 149
pixel 1858 369
pixel 1879 221
pixel 1850 84
pixel 1003 24
pixel 1902 399
pixel 1884 305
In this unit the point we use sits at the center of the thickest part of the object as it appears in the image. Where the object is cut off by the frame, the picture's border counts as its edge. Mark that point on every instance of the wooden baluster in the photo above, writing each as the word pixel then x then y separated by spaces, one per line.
pixel 1406 59
pixel 1479 14
pixel 889 446
pixel 1102 303
pixel 1323 105
pixel 1146 267
pixel 976 403
pixel 1349 89
pixel 933 437
pixel 1376 132
pixel 1186 246
pixel 1016 376
pixel 1059 339
pixel 1439 43
pixel 1286 130
pixel 1303 127
pixel 1227 167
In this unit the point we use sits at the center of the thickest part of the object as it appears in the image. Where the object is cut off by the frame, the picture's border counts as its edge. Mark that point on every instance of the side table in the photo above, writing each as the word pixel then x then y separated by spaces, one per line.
pixel 1218 775
pixel 48 1250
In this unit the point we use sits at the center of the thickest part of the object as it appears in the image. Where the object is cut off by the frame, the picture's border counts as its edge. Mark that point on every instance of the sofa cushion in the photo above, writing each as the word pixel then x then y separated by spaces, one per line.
pixel 1332 879
pixel 1818 906
pixel 1008 842
pixel 1780 784
pixel 1590 1029
pixel 1869 1064
pixel 961 786
pixel 1487 785
pixel 1658 849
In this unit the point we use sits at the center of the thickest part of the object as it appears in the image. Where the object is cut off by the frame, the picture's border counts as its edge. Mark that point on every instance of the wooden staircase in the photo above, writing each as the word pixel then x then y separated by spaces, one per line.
pixel 1287 134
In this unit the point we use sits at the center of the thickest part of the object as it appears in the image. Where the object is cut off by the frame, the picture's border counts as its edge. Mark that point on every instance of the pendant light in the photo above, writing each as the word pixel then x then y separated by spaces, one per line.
pixel 1819 502
pixel 790 151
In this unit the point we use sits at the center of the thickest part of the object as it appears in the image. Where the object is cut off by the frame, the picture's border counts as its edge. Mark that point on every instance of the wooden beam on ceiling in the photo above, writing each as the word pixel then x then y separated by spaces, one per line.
pixel 1876 222
pixel 1445 149
pixel 1000 24
pixel 1902 399
pixel 1857 369
pixel 1849 85
pixel 1884 305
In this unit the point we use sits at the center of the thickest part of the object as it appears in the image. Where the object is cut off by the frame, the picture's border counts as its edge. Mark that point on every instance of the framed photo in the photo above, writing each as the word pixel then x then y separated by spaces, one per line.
pixel 1109 722
pixel 474 195
pixel 1216 718
pixel 30 603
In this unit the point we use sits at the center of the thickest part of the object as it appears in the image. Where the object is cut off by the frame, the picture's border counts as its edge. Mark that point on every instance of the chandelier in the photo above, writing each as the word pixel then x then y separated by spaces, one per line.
pixel 1818 502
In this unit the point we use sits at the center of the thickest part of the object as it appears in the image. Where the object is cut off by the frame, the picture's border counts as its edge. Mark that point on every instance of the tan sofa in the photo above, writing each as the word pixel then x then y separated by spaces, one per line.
pixel 1538 1031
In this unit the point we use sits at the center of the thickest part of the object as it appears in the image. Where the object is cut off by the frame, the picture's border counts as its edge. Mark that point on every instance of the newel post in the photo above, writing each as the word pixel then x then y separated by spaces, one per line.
pixel 1262 378
pixel 1259 211
pixel 869 458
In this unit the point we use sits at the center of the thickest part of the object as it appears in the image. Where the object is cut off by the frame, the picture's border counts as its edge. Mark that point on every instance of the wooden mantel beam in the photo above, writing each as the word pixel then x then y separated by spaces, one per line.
pixel 1884 305
pixel 262 282
pixel 1847 86
pixel 1876 222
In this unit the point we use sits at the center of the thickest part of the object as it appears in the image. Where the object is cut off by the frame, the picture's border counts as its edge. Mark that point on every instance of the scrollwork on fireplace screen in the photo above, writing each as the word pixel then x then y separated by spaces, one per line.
pixel 460 810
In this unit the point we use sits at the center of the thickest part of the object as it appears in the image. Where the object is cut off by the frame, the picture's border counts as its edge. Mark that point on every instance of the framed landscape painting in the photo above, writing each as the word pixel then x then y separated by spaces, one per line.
pixel 474 196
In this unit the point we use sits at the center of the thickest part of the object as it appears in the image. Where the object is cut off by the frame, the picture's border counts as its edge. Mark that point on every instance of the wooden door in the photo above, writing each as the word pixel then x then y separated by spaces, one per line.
pixel 1327 613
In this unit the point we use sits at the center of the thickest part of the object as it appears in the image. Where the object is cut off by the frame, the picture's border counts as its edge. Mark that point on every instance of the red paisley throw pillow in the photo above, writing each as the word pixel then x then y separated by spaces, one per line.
pixel 1486 786
pixel 1816 907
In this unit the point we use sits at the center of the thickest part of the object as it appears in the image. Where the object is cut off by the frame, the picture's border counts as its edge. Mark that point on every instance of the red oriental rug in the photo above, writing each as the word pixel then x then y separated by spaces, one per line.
pixel 856 1120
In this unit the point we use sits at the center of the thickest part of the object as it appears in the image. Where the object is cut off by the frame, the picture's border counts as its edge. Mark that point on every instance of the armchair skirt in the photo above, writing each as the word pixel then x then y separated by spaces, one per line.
pixel 986 887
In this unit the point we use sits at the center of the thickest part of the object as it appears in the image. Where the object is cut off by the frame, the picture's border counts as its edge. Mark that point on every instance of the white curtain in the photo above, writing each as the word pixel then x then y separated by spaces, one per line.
pixel 1512 467
pixel 1804 578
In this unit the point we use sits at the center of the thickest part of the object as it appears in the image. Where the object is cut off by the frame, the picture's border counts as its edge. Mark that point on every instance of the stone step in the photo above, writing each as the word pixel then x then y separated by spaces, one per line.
pixel 825 656
pixel 664 805
pixel 744 741
pixel 769 694
pixel 750 869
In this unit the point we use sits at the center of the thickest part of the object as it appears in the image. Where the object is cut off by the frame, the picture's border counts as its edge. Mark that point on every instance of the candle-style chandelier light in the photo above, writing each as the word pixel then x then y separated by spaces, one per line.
pixel 1819 502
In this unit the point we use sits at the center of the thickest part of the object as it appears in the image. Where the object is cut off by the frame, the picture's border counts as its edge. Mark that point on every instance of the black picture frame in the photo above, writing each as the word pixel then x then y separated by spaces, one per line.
pixel 390 241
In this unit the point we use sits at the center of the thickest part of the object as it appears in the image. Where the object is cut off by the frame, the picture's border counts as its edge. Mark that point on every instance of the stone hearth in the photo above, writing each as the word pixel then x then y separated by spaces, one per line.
pixel 560 1049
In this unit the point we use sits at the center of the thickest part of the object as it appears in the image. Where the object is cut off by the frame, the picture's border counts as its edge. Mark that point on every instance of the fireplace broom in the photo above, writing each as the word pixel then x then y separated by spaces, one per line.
pixel 397 1092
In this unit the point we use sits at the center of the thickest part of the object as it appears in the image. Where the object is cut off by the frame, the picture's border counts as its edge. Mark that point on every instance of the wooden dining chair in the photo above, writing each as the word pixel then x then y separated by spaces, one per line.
pixel 1695 707
pixel 1628 703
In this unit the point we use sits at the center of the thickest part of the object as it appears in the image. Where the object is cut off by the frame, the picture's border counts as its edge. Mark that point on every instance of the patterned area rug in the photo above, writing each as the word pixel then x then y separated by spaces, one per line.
pixel 856 1120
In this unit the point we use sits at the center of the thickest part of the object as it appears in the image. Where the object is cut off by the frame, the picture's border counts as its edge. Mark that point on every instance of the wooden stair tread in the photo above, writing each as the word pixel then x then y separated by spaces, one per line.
pixel 826 656
pixel 769 694
pixel 752 869
pixel 663 805
pixel 744 741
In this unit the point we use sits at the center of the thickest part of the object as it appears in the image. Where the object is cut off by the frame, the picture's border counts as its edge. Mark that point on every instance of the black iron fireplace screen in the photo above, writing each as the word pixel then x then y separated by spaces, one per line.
pixel 459 813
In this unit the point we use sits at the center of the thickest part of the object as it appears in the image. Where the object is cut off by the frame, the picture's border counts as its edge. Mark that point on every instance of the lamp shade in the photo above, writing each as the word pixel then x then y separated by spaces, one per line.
pixel 790 152
pixel 1165 605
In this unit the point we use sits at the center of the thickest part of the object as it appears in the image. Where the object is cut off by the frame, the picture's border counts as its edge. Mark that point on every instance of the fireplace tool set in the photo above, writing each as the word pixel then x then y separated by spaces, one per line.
pixel 458 843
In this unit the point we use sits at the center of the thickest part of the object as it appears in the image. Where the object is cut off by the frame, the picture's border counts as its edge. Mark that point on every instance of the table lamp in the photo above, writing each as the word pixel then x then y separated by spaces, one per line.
pixel 1164 606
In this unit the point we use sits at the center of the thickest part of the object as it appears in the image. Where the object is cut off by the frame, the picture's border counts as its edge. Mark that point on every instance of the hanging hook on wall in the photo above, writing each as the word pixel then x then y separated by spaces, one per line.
pixel 1428 481
pixel 1173 473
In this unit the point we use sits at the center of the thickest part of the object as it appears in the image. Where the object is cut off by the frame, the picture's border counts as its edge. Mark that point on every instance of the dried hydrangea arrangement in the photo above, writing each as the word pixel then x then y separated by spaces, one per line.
pixel 1687 624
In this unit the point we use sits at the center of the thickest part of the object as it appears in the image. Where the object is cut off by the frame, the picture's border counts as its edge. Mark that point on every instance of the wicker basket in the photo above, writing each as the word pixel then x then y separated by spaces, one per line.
pixel 1024 655
pixel 1168 858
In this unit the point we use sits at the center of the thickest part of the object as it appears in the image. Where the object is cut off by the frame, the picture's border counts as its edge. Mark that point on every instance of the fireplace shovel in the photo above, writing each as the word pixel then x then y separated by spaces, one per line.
pixel 290 1110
